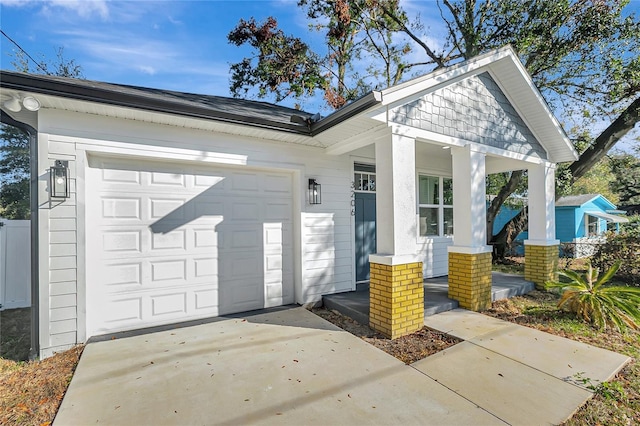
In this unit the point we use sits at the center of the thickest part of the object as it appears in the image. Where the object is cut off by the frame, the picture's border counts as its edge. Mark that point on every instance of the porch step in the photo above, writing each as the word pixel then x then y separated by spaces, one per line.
pixel 355 304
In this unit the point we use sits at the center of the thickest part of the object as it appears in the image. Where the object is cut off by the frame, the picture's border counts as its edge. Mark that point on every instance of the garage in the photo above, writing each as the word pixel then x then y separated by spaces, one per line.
pixel 172 242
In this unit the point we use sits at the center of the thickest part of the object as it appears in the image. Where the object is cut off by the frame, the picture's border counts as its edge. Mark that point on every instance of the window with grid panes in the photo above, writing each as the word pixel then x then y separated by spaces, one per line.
pixel 435 201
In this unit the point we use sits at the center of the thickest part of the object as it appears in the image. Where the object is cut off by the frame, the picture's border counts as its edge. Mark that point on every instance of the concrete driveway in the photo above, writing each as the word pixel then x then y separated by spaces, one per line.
pixel 286 366
pixel 289 366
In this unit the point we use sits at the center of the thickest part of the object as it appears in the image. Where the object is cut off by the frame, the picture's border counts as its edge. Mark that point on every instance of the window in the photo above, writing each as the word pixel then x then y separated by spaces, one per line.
pixel 364 179
pixel 435 200
pixel 593 226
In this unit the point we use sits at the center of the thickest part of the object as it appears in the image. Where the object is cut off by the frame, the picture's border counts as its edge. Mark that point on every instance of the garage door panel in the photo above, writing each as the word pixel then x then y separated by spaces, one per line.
pixel 244 182
pixel 172 179
pixel 174 304
pixel 206 267
pixel 277 184
pixel 121 241
pixel 123 276
pixel 163 270
pixel 127 177
pixel 177 244
pixel 171 240
pixel 159 208
pixel 121 208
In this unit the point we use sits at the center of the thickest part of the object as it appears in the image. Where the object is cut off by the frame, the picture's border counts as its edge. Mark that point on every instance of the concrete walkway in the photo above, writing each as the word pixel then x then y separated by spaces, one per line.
pixel 288 366
pixel 519 374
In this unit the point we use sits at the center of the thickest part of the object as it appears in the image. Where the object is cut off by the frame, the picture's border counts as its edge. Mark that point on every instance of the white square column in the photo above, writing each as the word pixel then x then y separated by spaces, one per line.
pixel 469 256
pixel 541 250
pixel 396 292
pixel 396 196
pixel 469 201
pixel 542 207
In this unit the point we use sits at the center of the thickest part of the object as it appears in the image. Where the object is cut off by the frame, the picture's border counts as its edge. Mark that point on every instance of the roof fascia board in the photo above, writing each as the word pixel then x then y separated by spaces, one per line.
pixel 542 103
pixel 398 95
pixel 366 102
pixel 28 83
pixel 604 199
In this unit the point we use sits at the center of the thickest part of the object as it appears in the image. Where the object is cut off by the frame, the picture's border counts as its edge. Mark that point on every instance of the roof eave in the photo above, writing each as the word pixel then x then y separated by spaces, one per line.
pixel 33 84
pixel 362 104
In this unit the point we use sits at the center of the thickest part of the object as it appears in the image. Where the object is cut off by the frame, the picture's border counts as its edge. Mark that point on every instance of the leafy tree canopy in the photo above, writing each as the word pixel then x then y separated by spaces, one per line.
pixel 14 143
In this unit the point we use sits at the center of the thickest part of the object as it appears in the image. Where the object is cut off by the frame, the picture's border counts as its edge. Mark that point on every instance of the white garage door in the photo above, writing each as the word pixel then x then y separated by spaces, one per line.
pixel 169 243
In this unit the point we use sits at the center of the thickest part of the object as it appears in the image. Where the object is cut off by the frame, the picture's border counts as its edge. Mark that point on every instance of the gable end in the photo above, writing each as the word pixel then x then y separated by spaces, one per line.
pixel 474 109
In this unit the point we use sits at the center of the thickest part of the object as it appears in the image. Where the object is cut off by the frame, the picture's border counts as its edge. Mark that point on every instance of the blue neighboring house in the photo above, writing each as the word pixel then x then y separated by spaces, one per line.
pixel 580 219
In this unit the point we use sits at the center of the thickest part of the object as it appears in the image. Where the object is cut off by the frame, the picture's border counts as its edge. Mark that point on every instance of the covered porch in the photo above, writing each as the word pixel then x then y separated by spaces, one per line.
pixel 355 304
pixel 437 139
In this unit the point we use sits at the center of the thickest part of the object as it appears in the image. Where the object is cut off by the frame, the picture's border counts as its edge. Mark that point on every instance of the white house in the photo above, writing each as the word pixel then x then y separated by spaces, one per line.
pixel 185 206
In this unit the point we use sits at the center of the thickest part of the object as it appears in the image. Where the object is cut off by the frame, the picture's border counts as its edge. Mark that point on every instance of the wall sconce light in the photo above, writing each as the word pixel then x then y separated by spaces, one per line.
pixel 59 179
pixel 315 192
pixel 29 102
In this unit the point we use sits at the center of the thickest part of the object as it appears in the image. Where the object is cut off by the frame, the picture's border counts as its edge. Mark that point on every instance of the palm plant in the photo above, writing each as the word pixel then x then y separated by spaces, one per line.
pixel 603 305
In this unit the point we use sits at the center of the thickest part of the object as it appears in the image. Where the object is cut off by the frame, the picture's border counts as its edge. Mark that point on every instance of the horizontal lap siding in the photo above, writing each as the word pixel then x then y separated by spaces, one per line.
pixel 63 325
pixel 434 257
pixel 325 234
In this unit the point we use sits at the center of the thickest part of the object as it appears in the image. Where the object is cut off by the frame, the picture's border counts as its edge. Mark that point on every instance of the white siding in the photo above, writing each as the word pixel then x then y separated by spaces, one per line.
pixel 323 233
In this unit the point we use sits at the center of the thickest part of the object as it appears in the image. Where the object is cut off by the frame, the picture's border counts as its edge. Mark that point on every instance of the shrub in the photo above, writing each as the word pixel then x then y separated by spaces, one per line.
pixel 625 247
pixel 604 306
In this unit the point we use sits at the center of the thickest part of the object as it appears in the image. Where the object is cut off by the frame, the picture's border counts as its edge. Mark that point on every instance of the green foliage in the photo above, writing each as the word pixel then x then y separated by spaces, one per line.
pixel 14 173
pixel 61 66
pixel 596 181
pixel 626 169
pixel 15 160
pixel 354 31
pixel 623 247
pixel 283 65
pixel 605 306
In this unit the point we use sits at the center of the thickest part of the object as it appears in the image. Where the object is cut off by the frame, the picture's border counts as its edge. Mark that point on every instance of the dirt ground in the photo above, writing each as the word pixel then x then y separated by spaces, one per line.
pixel 31 392
pixel 407 349
pixel 15 334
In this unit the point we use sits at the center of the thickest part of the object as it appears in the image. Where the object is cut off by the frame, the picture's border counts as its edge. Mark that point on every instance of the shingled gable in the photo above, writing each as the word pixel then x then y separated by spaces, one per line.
pixel 526 115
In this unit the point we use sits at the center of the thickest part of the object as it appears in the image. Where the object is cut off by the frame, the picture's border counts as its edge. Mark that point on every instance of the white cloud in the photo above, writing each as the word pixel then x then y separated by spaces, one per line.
pixel 145 69
pixel 82 8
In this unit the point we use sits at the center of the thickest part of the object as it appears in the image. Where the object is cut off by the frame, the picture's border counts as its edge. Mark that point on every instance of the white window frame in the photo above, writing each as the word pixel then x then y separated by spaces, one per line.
pixel 586 225
pixel 440 206
pixel 364 173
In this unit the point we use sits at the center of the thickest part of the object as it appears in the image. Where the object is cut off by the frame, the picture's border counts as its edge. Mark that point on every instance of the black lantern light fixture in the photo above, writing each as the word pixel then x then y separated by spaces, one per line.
pixel 315 194
pixel 59 179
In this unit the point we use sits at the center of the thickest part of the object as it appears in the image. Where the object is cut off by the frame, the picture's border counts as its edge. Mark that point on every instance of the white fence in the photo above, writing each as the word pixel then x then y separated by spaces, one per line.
pixel 15 264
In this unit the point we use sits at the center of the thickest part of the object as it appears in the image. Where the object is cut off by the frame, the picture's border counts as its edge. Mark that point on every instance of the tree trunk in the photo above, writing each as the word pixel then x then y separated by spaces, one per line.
pixel 603 143
pixel 504 239
pixel 607 139
pixel 502 196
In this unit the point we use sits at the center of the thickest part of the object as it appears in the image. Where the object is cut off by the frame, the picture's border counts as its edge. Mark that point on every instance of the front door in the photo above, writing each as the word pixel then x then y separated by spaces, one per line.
pixel 365 218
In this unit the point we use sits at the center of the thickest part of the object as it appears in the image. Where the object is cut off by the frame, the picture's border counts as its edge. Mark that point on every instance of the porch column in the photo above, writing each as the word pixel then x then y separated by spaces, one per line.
pixel 469 257
pixel 396 294
pixel 541 250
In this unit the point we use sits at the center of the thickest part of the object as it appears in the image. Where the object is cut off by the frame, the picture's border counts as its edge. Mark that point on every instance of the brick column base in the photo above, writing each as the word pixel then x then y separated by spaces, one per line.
pixel 396 299
pixel 470 280
pixel 540 264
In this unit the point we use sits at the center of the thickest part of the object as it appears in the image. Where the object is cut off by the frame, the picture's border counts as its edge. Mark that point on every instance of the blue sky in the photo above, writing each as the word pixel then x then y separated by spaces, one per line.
pixel 176 45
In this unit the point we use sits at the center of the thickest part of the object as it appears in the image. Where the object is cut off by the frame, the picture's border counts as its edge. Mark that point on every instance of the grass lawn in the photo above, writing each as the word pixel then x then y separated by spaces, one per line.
pixel 616 402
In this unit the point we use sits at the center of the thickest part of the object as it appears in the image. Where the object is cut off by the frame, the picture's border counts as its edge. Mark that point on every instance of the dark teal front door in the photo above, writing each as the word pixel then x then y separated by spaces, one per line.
pixel 365 218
